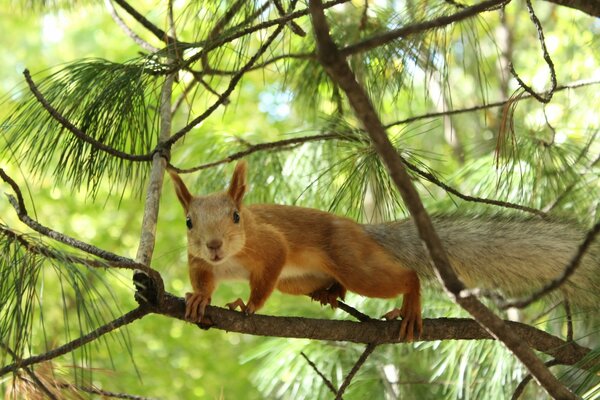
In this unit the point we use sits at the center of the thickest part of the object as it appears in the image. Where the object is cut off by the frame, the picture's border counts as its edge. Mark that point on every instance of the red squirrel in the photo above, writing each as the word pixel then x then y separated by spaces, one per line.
pixel 297 250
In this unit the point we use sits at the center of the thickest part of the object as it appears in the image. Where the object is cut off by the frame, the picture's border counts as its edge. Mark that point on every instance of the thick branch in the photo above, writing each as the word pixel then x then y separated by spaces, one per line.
pixel 591 7
pixel 372 331
pixel 340 72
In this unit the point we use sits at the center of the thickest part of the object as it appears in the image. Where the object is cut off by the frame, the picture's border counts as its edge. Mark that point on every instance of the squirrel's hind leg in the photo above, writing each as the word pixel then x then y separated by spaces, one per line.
pixel 411 317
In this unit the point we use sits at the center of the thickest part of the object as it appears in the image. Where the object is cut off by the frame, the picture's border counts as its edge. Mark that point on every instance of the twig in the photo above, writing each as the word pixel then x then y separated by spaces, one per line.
pixel 218 27
pixel 21 211
pixel 340 72
pixel 359 363
pixel 75 344
pixel 128 31
pixel 314 367
pixel 569 320
pixel 104 393
pixel 501 103
pixel 206 47
pixel 225 95
pixel 521 386
pixel 557 282
pixel 548 95
pixel 354 312
pixel 49 252
pixel 433 179
pixel 78 132
pixel 419 27
pixel 258 147
pixel 294 27
pixel 156 31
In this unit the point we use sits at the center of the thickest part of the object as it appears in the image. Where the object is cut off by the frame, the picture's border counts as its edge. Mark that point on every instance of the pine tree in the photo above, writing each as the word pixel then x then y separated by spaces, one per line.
pixel 487 108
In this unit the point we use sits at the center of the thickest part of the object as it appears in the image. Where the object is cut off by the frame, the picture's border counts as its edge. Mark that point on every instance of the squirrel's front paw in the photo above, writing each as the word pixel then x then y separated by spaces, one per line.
pixel 245 308
pixel 195 305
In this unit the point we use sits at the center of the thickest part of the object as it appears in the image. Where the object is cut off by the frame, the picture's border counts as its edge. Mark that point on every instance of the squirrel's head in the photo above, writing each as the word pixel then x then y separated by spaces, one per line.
pixel 215 222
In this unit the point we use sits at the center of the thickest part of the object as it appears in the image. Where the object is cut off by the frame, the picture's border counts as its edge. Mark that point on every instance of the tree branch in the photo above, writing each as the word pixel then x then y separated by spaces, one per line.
pixel 359 363
pixel 125 28
pixel 78 132
pixel 327 382
pixel 156 31
pixel 544 98
pixel 339 70
pixel 225 95
pixel 75 344
pixel 259 147
pixel 439 22
pixel 591 7
pixel 21 211
pixel 373 331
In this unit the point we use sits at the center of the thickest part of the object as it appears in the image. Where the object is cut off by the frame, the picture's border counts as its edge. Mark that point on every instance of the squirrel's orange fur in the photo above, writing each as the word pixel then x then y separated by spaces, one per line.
pixel 297 250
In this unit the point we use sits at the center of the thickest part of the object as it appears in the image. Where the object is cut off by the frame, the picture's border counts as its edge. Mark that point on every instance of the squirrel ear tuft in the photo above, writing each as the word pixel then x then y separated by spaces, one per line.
pixel 183 194
pixel 237 187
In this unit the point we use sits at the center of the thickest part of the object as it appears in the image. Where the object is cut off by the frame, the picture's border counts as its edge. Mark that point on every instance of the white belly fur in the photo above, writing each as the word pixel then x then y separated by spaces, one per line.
pixel 233 269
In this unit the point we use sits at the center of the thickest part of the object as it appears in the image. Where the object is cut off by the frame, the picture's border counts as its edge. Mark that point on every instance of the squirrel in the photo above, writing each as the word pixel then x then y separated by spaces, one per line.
pixel 304 251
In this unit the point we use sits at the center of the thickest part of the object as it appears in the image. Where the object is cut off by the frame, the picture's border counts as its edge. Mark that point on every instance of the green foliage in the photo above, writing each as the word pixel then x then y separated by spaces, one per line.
pixel 542 156
pixel 118 113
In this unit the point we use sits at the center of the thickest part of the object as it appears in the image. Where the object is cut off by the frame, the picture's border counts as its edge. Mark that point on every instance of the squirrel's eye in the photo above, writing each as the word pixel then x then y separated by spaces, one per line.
pixel 236 217
pixel 188 222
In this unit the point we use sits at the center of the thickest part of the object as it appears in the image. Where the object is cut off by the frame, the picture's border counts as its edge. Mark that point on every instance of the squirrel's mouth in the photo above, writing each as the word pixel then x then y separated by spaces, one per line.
pixel 216 258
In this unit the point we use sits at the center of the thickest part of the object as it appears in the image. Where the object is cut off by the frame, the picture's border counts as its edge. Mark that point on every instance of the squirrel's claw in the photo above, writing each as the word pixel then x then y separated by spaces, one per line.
pixel 330 295
pixel 411 323
pixel 195 305
pixel 245 308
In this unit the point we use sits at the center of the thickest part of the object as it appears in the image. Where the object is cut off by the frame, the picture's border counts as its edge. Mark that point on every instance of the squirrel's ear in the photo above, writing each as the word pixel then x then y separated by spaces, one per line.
pixel 183 194
pixel 237 187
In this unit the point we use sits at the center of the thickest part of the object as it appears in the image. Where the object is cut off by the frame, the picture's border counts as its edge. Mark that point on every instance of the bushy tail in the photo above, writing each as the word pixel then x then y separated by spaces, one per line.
pixel 515 256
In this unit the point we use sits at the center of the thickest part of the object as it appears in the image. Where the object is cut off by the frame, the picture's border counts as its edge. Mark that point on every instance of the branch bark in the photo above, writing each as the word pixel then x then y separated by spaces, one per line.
pixel 371 331
pixel 590 7
pixel 339 70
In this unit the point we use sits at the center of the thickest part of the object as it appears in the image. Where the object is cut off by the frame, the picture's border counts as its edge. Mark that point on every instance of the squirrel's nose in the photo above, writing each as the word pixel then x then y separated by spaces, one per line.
pixel 214 244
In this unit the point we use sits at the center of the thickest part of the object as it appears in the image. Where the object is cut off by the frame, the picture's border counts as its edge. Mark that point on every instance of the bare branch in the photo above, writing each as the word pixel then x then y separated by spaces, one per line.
pixel 373 331
pixel 294 27
pixel 21 211
pixel 128 31
pixel 49 252
pixel 591 7
pixel 419 27
pixel 259 147
pixel 225 95
pixel 156 31
pixel 521 386
pixel 327 382
pixel 339 70
pixel 545 98
pixel 359 363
